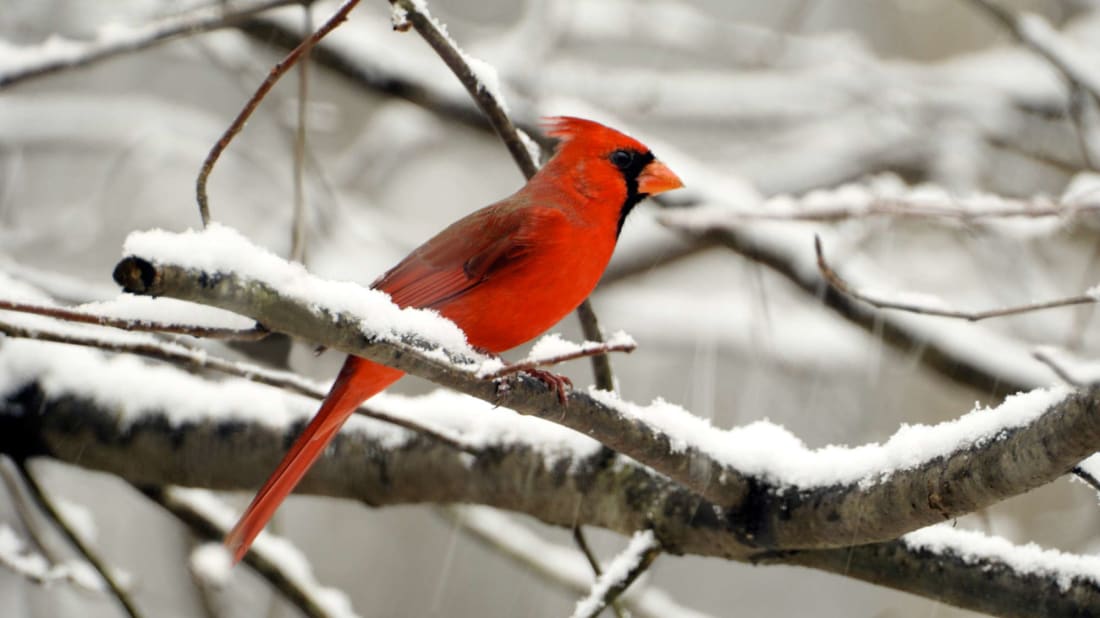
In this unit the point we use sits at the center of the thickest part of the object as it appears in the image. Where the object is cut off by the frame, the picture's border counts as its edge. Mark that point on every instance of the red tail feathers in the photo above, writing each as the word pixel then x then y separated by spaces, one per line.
pixel 358 381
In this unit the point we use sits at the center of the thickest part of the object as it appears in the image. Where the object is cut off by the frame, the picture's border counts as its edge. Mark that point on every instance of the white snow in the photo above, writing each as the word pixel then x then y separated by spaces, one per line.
pixel 975 547
pixel 212 563
pixel 616 572
pixel 220 249
pixel 15 555
pixel 78 518
pixel 275 549
pixel 767 450
pixel 167 311
pixel 1082 64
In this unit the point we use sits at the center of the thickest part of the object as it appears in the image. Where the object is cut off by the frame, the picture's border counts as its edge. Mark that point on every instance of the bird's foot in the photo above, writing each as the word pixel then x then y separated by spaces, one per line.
pixel 557 383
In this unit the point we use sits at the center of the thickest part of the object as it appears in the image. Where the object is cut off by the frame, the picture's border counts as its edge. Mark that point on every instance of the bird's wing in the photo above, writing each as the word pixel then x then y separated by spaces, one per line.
pixel 466 254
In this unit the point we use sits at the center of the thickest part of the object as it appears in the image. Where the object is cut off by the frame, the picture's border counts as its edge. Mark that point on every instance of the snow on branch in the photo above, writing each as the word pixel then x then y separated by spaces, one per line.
pixel 274 558
pixel 556 477
pixel 968 569
pixel 18 557
pixel 19 63
pixel 479 79
pixel 885 195
pixel 788 501
pixel 556 563
pixel 627 566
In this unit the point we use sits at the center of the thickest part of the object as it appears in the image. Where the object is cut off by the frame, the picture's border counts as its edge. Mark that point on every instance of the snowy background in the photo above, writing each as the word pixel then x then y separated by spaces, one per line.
pixel 842 105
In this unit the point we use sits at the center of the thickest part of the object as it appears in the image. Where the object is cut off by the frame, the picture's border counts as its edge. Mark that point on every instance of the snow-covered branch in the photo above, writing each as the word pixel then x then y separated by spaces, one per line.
pixel 808 499
pixel 627 566
pixel 364 322
pixel 19 63
pixel 968 569
pixel 232 437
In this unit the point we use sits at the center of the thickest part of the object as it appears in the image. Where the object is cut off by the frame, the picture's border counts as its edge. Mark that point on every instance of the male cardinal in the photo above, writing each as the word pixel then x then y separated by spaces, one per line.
pixel 503 274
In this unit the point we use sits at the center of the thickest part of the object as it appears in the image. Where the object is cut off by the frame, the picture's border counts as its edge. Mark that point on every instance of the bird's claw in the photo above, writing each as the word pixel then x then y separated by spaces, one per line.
pixel 557 383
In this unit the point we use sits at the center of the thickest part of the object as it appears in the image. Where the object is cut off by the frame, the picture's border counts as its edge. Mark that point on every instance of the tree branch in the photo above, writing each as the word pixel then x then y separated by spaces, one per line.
pixel 74 539
pixel 299 318
pixel 54 57
pixel 222 452
pixel 627 567
pixel 838 283
pixel 207 332
pixel 961 477
pixel 250 106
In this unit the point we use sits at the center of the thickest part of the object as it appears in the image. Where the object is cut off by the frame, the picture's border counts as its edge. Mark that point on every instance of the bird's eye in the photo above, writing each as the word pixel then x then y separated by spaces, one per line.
pixel 622 159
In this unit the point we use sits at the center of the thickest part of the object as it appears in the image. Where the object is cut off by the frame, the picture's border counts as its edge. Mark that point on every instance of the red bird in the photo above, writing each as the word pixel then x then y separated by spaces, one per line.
pixel 503 274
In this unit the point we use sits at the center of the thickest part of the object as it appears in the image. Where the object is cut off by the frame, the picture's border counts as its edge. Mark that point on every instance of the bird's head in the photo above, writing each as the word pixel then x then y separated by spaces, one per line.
pixel 605 165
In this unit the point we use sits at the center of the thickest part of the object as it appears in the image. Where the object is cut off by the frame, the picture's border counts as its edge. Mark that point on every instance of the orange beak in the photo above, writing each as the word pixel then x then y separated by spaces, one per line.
pixel 657 178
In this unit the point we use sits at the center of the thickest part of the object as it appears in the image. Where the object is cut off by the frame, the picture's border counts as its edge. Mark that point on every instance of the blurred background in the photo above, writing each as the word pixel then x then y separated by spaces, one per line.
pixel 833 102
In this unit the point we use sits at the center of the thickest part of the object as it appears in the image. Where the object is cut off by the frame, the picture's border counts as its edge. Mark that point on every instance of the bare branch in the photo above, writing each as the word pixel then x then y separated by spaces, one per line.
pixel 253 334
pixel 53 58
pixel 298 220
pixel 273 76
pixel 1044 356
pixel 842 286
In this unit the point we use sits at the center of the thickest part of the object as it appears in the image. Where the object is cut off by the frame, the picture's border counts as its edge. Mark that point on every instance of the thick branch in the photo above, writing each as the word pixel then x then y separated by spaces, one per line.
pixel 980 583
pixel 619 495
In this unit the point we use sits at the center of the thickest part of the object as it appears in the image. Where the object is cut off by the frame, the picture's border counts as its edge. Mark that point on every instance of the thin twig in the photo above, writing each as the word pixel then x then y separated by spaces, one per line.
pixel 298 220
pixel 1087 477
pixel 1058 368
pixel 428 28
pixel 273 76
pixel 973 316
pixel 86 552
pixel 200 359
pixel 207 332
pixel 79 54
pixel 902 208
pixel 601 348
pixel 601 363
